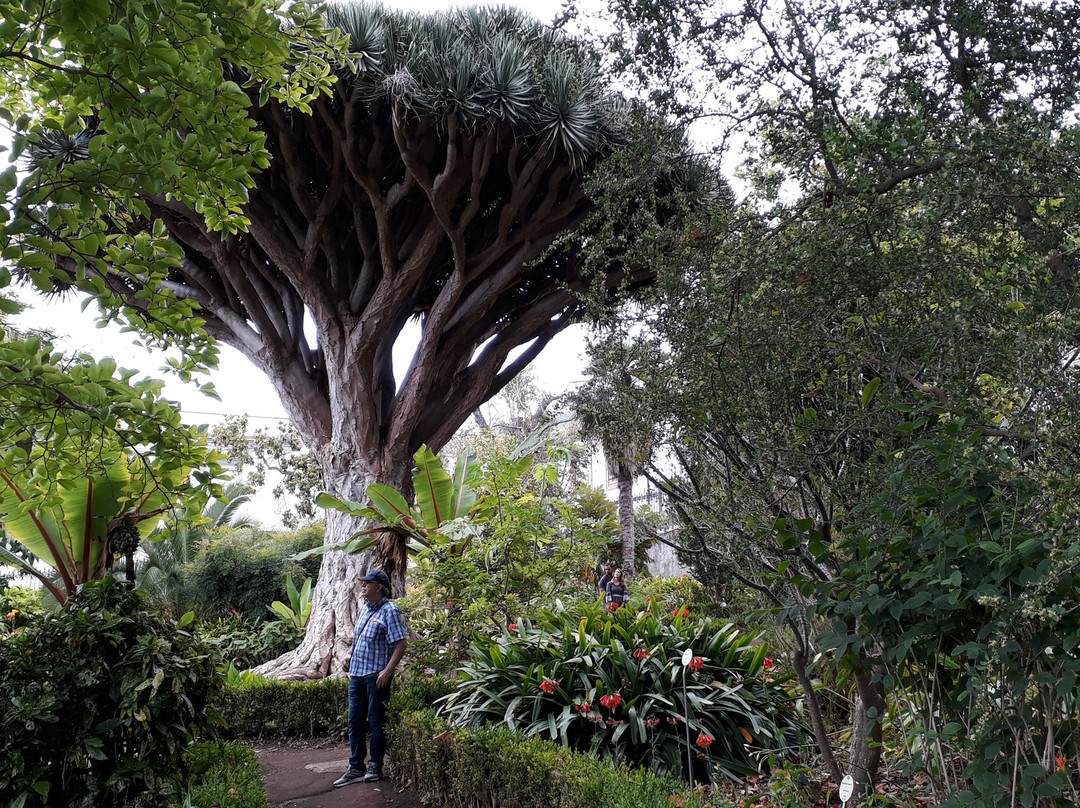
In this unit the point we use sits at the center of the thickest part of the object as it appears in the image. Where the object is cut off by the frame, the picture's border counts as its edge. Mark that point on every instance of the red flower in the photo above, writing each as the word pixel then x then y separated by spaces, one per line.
pixel 683 612
pixel 549 685
pixel 612 607
pixel 1060 761
pixel 704 740
pixel 612 701
pixel 512 627
pixel 584 707
pixel 768 664
pixel 696 663
pixel 648 598
pixel 652 722
pixel 641 653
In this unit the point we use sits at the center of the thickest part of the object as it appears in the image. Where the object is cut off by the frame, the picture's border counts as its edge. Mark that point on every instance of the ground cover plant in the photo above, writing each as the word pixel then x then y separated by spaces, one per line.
pixel 610 684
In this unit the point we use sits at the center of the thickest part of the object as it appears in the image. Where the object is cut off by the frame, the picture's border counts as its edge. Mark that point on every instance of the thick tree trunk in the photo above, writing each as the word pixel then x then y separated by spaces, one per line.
pixel 327 643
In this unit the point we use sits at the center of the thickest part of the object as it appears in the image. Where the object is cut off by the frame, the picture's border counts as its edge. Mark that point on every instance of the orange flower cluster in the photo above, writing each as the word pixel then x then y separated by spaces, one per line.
pixel 704 741
pixel 612 607
pixel 696 663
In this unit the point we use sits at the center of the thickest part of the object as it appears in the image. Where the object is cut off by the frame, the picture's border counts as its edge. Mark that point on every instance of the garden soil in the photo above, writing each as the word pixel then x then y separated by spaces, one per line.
pixel 301 778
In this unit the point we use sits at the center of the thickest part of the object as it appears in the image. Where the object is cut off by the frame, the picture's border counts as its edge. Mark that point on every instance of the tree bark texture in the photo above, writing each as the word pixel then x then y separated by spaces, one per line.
pixel 624 477
pixel 371 215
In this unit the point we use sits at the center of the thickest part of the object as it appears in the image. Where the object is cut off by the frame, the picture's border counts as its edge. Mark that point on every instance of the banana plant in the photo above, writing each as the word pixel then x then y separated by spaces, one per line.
pixel 298 611
pixel 440 498
pixel 81 528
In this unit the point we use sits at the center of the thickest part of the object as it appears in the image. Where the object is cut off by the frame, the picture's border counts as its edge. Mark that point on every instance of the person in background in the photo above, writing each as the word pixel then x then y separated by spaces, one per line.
pixel 616 594
pixel 378 644
pixel 605 579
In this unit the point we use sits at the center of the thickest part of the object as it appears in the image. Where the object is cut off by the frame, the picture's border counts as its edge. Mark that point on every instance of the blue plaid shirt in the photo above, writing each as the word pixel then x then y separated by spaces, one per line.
pixel 378 629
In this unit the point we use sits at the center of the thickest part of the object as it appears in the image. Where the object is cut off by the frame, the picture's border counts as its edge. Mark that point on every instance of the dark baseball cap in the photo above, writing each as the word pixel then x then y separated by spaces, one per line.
pixel 378 576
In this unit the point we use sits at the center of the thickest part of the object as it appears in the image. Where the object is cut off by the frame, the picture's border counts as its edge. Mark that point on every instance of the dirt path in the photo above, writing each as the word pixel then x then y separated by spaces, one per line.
pixel 301 778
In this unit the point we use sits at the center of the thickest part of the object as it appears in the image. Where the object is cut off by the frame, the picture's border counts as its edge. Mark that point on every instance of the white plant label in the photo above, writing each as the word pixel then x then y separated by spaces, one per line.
pixel 847 785
pixel 687 655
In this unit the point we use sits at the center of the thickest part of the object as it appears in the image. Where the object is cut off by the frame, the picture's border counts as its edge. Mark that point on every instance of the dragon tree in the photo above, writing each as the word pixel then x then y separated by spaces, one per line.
pixel 444 179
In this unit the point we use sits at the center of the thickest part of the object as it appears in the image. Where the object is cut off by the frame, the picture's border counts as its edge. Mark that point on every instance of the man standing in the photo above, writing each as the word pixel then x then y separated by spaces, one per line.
pixel 605 579
pixel 378 643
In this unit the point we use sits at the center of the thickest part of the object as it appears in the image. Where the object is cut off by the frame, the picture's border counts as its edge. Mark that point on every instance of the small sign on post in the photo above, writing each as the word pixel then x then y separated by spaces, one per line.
pixel 687 657
pixel 847 786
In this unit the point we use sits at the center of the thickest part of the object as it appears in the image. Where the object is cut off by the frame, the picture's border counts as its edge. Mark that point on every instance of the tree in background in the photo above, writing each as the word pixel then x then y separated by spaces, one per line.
pixel 904 261
pixel 432 183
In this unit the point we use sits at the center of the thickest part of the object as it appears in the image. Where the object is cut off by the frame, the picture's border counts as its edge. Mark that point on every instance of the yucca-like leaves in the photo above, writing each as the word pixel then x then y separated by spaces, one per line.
pixel 486 67
pixel 586 654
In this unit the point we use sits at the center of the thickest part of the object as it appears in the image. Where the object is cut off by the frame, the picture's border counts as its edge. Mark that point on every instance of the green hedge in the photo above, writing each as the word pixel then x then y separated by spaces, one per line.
pixel 226 775
pixel 264 708
pixel 498 768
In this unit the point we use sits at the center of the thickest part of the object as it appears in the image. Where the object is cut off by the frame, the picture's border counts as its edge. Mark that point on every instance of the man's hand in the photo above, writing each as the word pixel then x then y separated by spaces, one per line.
pixel 383 681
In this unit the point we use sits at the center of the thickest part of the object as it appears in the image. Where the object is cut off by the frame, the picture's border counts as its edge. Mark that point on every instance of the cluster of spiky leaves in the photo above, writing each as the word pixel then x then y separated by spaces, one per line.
pixel 486 67
pixel 611 683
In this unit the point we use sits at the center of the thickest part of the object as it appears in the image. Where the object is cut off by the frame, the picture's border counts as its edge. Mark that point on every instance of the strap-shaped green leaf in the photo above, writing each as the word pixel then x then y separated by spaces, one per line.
pixel 434 489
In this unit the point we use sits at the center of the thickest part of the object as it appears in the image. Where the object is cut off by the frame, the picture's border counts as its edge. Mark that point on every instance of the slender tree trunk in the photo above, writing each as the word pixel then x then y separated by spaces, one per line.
pixel 624 477
pixel 867 732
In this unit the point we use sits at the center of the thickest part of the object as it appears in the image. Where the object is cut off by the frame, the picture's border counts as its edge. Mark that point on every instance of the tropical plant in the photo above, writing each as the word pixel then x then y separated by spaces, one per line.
pixel 92 522
pixel 521 549
pixel 297 612
pixel 105 697
pixel 611 684
pixel 399 528
pixel 89 460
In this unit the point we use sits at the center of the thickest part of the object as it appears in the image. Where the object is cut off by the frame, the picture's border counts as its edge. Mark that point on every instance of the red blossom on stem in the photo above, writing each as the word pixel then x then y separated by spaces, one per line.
pixel 683 613
pixel 512 627
pixel 584 707
pixel 549 685
pixel 696 663
pixel 641 653
pixel 704 740
pixel 612 701
pixel 768 664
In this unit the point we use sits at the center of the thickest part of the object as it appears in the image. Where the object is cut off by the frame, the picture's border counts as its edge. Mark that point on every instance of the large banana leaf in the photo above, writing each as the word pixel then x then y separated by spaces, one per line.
pixel 71 535
pixel 434 489
pixel 464 494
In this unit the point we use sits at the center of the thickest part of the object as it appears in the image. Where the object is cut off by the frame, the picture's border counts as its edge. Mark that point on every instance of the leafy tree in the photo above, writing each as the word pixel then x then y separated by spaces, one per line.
pixel 431 183
pixel 89 461
pixel 907 234
pixel 253 453
pixel 118 99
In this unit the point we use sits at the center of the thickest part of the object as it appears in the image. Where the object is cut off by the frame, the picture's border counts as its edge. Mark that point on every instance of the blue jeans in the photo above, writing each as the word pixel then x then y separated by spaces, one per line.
pixel 366 713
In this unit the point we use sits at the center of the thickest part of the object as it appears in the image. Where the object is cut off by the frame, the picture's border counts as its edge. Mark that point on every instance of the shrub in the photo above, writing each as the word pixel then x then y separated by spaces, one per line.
pixel 105 695
pixel 611 684
pixel 240 572
pixel 224 775
pixel 414 692
pixel 254 707
pixel 499 768
pixel 19 607
pixel 244 645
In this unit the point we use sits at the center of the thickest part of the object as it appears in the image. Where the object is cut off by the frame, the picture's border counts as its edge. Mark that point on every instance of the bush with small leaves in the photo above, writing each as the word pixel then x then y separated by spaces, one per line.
pixel 104 697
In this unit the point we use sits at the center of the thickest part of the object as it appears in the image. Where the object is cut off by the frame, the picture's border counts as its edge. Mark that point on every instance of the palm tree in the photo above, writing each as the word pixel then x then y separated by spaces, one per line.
pixel 161 572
